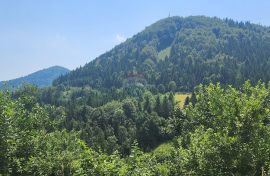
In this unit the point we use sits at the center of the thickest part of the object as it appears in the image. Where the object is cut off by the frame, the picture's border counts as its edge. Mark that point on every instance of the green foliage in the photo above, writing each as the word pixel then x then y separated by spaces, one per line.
pixel 226 132
pixel 117 115
pixel 20 124
pixel 230 131
pixel 187 51
pixel 164 54
pixel 172 86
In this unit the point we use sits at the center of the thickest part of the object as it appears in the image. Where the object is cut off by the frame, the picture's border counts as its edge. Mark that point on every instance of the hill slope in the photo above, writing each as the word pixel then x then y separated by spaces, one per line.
pixel 187 51
pixel 40 78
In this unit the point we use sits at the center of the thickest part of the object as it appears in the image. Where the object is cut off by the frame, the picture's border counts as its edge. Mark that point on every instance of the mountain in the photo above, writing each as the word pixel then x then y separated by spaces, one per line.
pixel 40 78
pixel 183 52
pixel 90 127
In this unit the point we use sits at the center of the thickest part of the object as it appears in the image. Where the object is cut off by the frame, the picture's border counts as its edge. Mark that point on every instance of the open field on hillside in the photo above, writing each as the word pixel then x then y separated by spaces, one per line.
pixel 180 98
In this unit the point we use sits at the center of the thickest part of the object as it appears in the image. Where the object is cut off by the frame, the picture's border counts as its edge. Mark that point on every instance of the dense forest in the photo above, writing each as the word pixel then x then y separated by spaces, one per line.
pixel 118 115
pixel 225 132
pixel 183 51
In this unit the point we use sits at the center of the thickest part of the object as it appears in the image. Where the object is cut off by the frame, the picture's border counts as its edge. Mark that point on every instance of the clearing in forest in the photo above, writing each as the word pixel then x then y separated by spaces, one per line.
pixel 180 98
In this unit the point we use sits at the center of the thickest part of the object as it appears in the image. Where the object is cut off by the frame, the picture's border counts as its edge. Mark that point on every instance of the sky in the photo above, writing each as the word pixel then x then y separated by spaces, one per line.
pixel 37 34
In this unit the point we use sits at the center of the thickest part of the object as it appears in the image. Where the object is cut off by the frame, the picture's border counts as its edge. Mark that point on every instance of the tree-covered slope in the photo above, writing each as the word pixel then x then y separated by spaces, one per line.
pixel 226 132
pixel 40 78
pixel 187 51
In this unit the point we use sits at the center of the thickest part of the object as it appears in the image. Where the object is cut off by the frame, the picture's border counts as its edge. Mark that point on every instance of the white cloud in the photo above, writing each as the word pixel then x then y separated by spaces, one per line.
pixel 120 38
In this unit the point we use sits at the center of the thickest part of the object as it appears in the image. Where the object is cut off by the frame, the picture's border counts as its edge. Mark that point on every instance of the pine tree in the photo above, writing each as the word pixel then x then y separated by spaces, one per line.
pixel 165 107
pixel 158 107
pixel 193 99
pixel 147 105
pixel 187 100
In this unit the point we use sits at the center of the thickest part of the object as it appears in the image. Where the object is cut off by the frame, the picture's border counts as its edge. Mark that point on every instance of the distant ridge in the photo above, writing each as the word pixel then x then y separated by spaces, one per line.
pixel 42 78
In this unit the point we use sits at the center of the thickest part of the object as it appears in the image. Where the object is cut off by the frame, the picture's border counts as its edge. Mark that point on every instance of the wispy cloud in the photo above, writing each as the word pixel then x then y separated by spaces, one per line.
pixel 120 38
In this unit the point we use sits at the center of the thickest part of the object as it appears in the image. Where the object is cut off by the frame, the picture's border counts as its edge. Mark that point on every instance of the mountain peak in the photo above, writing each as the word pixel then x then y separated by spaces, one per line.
pixel 184 50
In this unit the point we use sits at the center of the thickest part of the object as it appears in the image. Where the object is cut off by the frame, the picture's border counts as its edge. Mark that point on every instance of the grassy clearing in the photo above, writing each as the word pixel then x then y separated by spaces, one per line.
pixel 162 54
pixel 180 98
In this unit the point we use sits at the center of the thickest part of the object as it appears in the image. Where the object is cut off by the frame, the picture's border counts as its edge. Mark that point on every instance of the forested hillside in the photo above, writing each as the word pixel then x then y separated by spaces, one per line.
pixel 40 78
pixel 120 114
pixel 183 51
pixel 226 132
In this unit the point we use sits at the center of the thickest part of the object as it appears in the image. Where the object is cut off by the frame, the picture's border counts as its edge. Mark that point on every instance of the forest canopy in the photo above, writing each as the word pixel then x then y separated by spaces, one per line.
pixel 225 132
pixel 187 51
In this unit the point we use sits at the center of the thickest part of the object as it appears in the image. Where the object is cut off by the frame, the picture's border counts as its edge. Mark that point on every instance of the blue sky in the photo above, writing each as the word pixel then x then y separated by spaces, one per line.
pixel 36 34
